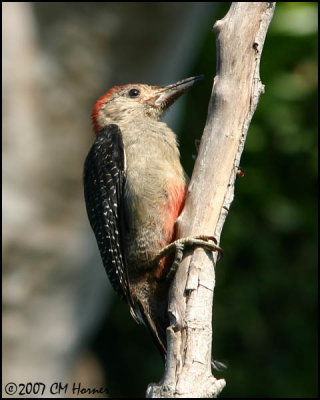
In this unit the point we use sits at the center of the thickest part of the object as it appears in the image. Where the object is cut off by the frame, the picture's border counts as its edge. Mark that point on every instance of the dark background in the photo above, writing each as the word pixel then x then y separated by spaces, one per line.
pixel 265 307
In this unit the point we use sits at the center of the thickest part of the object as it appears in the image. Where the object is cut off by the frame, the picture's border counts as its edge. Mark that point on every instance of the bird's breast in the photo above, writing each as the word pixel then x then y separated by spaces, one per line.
pixel 155 191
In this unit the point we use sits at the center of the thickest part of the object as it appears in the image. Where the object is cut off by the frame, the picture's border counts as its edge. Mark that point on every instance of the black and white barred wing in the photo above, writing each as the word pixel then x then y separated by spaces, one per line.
pixel 104 179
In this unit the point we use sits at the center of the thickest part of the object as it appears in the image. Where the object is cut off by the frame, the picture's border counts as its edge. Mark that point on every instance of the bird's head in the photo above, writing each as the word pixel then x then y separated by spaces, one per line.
pixel 136 101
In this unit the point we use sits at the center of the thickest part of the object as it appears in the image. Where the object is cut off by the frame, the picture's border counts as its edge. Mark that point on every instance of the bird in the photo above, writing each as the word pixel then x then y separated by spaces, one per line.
pixel 135 188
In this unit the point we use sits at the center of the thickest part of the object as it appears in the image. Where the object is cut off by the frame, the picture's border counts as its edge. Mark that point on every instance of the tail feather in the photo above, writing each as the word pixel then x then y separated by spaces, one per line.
pixel 157 330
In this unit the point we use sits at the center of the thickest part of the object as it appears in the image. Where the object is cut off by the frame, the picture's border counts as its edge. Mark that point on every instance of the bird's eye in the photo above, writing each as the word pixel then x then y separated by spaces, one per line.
pixel 134 92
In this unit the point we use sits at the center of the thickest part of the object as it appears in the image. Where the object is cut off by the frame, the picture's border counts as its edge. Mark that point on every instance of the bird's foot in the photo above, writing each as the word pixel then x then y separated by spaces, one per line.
pixel 180 245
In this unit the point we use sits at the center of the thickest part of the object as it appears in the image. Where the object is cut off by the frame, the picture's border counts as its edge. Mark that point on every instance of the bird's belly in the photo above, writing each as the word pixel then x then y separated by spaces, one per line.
pixel 152 213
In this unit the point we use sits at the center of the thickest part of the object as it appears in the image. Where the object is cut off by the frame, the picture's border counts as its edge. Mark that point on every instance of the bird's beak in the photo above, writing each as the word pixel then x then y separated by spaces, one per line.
pixel 164 96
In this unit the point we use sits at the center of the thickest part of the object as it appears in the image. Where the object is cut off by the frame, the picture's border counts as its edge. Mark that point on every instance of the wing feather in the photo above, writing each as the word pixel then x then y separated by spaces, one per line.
pixel 104 179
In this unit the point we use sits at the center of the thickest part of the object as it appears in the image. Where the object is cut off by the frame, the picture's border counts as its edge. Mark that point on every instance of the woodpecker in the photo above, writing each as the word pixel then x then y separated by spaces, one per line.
pixel 135 188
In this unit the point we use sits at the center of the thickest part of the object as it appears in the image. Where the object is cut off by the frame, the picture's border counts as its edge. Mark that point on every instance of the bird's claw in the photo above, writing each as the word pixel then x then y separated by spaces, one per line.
pixel 180 245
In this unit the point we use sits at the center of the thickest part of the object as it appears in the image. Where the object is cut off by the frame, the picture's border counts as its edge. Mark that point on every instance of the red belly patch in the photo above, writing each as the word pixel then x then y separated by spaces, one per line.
pixel 173 208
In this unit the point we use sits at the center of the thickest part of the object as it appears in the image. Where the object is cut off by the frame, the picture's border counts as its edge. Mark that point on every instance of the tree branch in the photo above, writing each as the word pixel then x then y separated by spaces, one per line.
pixel 236 91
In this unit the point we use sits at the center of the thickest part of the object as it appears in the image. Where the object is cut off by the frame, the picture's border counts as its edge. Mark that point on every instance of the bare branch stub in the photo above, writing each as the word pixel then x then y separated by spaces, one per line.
pixel 236 90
